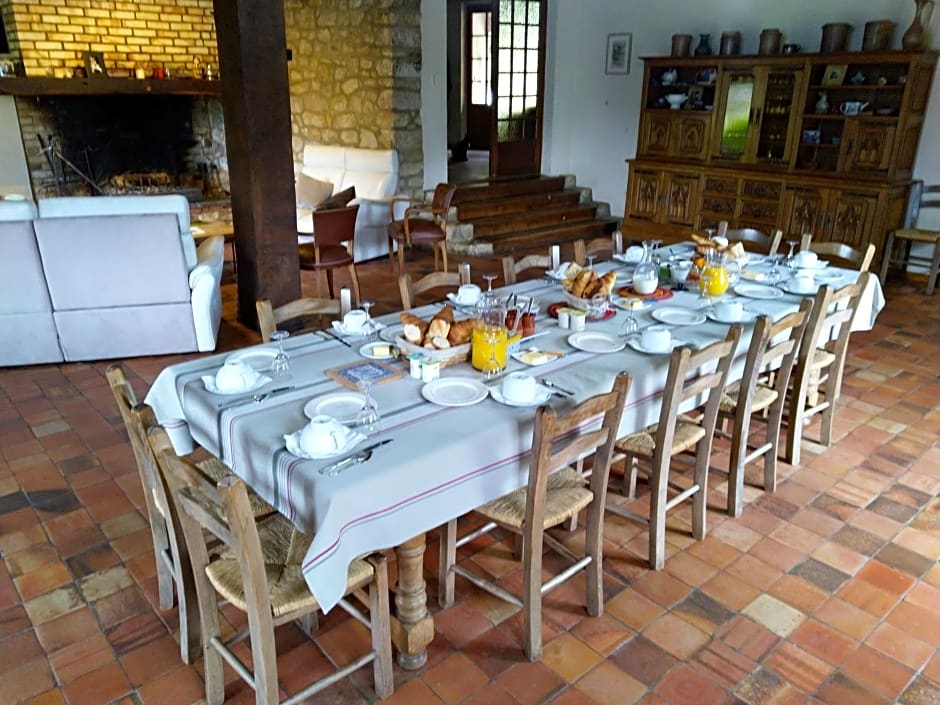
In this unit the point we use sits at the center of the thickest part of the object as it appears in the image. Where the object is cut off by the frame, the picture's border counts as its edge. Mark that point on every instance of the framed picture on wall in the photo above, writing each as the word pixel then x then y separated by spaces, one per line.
pixel 834 74
pixel 94 64
pixel 618 53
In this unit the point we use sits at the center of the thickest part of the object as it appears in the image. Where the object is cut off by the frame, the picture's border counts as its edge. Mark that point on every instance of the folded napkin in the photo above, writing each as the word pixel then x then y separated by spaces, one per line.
pixel 292 443
pixel 209 381
pixel 632 255
pixel 341 329
pixel 560 272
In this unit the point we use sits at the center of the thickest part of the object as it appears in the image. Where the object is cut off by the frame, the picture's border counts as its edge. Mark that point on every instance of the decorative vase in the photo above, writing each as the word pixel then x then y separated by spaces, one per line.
pixel 770 42
pixel 914 36
pixel 730 43
pixel 681 43
pixel 835 37
pixel 822 105
pixel 704 47
pixel 878 35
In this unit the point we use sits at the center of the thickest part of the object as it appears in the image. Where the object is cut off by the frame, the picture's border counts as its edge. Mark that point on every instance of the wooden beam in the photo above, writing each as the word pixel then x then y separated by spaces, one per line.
pixel 256 107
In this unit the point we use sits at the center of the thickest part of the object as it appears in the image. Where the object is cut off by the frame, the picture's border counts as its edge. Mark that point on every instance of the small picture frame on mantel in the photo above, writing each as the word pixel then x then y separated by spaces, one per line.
pixel 618 53
pixel 94 64
pixel 834 74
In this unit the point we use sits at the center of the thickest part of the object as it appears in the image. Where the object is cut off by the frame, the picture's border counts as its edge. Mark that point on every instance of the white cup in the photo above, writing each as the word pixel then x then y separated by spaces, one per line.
pixel 731 311
pixel 354 320
pixel 468 294
pixel 518 387
pixel 235 376
pixel 806 258
pixel 804 284
pixel 656 339
pixel 323 435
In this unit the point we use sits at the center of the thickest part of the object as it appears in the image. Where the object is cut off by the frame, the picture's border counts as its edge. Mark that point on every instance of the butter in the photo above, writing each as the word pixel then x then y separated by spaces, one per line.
pixel 754 276
pixel 382 350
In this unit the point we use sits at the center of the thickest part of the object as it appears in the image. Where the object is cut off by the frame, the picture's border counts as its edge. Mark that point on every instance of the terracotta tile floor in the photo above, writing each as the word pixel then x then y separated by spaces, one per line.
pixel 826 592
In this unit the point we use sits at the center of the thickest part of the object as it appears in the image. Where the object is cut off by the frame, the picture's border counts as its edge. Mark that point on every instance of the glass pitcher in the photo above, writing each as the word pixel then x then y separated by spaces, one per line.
pixel 646 274
pixel 490 338
pixel 714 273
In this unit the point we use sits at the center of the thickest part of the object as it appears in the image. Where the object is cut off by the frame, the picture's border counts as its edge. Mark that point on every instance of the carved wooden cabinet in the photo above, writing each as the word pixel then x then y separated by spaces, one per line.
pixel 820 143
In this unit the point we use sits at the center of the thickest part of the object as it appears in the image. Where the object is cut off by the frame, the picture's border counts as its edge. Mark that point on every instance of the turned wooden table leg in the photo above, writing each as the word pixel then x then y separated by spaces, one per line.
pixel 412 624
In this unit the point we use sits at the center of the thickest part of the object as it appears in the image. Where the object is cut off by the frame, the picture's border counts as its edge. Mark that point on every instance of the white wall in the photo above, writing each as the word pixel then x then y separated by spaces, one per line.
pixel 434 91
pixel 592 118
pixel 14 174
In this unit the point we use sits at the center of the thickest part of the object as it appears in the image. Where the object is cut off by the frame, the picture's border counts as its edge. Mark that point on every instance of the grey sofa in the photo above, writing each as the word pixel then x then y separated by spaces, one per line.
pixel 91 278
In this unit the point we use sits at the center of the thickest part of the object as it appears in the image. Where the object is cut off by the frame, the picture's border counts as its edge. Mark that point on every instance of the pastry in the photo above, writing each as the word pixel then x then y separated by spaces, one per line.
pixel 582 283
pixel 438 328
pixel 461 331
pixel 413 328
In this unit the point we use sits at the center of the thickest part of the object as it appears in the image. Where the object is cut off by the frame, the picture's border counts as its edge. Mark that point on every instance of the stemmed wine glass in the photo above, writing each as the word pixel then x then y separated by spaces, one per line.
pixel 280 365
pixel 705 285
pixel 369 328
pixel 630 326
pixel 774 273
pixel 489 281
pixel 368 420
pixel 590 259
pixel 791 254
pixel 491 335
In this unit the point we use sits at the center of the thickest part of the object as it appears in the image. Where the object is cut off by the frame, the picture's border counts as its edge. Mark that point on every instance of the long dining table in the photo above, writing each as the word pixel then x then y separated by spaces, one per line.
pixel 443 461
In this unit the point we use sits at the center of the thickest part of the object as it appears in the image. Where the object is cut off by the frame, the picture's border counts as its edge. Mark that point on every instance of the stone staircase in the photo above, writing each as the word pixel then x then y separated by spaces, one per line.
pixel 524 214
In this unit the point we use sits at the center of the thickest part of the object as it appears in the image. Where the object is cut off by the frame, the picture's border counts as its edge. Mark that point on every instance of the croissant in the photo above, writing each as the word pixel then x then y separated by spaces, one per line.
pixel 602 286
pixel 461 331
pixel 582 283
pixel 414 328
pixel 446 314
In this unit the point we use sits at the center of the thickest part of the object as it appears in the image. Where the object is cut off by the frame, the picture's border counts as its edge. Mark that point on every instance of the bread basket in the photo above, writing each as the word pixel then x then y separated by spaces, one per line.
pixel 445 356
pixel 595 308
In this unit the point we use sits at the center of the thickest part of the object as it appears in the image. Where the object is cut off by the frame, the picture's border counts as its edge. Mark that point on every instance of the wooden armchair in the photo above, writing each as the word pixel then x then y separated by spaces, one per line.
pixel 422 223
pixel 752 239
pixel 603 247
pixel 334 233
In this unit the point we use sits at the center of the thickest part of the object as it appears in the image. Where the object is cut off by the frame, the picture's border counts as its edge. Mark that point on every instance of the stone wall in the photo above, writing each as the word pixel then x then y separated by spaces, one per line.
pixel 355 78
pixel 51 36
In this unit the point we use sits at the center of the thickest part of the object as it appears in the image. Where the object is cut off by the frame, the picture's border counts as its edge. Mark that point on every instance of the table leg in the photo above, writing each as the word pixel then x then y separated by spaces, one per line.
pixel 412 625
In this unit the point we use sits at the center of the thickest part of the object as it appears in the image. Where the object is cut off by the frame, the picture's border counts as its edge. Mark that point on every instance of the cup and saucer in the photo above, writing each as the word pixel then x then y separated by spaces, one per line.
pixel 802 284
pixel 655 340
pixel 730 312
pixel 520 389
pixel 354 324
pixel 466 296
pixel 235 377
pixel 322 437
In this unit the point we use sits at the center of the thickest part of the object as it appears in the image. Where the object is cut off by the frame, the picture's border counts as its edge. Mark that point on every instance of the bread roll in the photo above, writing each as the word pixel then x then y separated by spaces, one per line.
pixel 414 329
pixel 461 331
pixel 439 342
pixel 438 328
pixel 445 314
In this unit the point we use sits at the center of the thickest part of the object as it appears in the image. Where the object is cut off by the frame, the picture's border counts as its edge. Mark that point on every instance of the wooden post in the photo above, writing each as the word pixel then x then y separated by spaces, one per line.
pixel 256 107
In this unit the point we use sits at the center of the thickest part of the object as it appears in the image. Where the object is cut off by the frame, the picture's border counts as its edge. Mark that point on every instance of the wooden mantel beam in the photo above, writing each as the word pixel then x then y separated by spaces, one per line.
pixel 256 107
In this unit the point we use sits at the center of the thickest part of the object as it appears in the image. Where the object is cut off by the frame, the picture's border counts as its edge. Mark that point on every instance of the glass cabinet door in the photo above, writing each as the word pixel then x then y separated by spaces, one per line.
pixel 737 114
pixel 773 117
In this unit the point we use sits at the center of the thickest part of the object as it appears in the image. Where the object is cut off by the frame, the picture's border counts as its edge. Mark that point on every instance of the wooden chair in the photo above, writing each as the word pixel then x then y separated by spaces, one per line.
pixel 259 572
pixel 922 198
pixel 410 289
pixel 817 377
pixel 754 240
pixel 171 570
pixel 423 223
pixel 334 233
pixel 677 433
pixel 297 311
pixel 555 492
pixel 856 259
pixel 512 269
pixel 603 247
pixel 760 394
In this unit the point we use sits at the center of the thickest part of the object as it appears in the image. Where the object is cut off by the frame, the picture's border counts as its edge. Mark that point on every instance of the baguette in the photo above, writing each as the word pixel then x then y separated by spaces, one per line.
pixel 604 285
pixel 439 342
pixel 414 328
pixel 438 328
pixel 461 331
pixel 445 314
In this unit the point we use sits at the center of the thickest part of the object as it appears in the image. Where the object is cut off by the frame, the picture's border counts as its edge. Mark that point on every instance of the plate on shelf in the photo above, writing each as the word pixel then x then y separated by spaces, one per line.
pixel 342 406
pixel 542 395
pixel 592 342
pixel 379 351
pixel 757 291
pixel 455 391
pixel 678 316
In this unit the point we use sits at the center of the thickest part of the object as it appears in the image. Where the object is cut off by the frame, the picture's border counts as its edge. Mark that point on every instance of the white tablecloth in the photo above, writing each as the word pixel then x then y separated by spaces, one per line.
pixel 444 461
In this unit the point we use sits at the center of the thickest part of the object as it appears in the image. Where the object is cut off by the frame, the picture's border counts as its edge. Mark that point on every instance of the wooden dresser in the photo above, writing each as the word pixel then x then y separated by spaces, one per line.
pixel 820 143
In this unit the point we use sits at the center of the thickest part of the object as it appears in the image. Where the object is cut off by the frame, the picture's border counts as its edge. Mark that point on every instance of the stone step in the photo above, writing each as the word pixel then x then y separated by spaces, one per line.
pixel 543 238
pixel 475 211
pixel 504 188
pixel 500 226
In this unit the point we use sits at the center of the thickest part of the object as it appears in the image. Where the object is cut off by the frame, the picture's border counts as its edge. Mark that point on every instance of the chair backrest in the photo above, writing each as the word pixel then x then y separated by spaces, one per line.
pixel 557 442
pixel 270 318
pixel 829 326
pixel 774 346
pixel 859 259
pixel 512 269
pixel 443 195
pixel 755 241
pixel 689 378
pixel 921 197
pixel 410 289
pixel 335 226
pixel 604 247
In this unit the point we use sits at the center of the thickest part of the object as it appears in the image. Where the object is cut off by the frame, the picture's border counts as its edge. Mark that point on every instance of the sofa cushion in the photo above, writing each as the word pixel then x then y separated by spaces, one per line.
pixel 311 192
pixel 338 200
pixel 374 172
pixel 139 261
pixel 324 162
pixel 22 280
pixel 69 207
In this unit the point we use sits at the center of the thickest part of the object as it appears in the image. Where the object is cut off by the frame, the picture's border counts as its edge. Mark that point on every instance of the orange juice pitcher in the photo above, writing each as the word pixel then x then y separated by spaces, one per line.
pixel 714 274
pixel 490 339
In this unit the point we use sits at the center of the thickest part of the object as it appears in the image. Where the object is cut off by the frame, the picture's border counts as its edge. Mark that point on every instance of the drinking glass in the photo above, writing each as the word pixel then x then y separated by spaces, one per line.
pixel 630 326
pixel 369 328
pixel 774 274
pixel 590 259
pixel 280 365
pixel 489 281
pixel 492 337
pixel 791 254
pixel 368 420
pixel 705 285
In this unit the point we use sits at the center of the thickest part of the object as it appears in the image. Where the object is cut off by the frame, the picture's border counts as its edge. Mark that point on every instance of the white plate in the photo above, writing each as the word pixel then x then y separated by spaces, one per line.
pixel 341 329
pixel 631 304
pixel 391 333
pixel 342 406
pixel 256 358
pixel 787 287
pixel 829 277
pixel 589 341
pixel 542 395
pixel 535 357
pixel 747 316
pixel 678 316
pixel 454 391
pixel 637 345
pixel 757 291
pixel 209 382
pixel 368 350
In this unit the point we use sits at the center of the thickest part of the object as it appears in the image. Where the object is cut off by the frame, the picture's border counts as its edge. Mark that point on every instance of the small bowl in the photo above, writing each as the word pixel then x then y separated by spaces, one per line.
pixel 676 100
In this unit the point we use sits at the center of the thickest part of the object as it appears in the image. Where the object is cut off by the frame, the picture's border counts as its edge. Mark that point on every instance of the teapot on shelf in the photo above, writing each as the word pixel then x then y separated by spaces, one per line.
pixel 852 107
pixel 668 77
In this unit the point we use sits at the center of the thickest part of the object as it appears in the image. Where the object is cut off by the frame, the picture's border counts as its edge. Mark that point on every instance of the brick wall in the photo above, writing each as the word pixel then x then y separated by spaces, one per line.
pixel 51 36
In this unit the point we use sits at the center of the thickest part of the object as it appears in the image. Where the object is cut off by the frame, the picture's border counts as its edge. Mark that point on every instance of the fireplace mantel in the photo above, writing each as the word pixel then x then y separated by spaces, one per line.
pixel 30 87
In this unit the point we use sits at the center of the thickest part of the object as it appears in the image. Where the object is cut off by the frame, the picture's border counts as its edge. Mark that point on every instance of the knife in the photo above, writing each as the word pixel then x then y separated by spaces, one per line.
pixel 259 397
pixel 336 336
pixel 353 459
pixel 552 385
